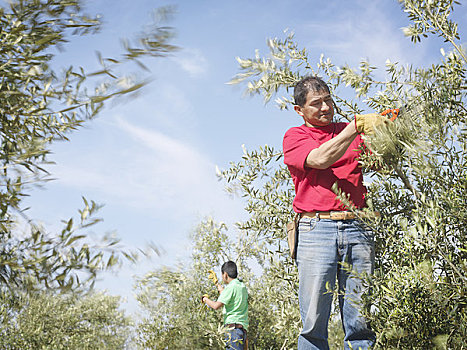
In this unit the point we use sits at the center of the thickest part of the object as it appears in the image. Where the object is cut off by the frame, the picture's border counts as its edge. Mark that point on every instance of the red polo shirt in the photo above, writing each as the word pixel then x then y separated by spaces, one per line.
pixel 313 187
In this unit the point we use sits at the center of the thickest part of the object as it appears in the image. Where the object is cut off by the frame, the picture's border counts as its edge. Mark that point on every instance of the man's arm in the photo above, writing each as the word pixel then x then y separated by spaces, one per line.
pixel 331 151
pixel 212 304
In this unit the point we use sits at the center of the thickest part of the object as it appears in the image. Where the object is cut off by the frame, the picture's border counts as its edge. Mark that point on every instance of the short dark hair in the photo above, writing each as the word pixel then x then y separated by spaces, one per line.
pixel 307 84
pixel 231 268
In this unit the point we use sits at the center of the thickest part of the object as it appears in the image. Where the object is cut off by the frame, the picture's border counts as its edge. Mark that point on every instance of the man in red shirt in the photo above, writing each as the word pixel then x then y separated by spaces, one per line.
pixel 319 154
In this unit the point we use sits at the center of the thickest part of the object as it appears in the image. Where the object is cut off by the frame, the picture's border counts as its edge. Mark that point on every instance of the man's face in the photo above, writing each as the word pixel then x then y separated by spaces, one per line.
pixel 318 109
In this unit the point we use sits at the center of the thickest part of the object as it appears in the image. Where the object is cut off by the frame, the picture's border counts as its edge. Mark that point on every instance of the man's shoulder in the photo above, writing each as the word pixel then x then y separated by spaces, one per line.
pixel 225 294
pixel 304 131
pixel 296 132
pixel 297 129
pixel 236 282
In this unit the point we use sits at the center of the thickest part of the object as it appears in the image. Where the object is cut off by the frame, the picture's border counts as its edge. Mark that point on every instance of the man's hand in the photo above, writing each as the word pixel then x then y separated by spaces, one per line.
pixel 202 298
pixel 366 123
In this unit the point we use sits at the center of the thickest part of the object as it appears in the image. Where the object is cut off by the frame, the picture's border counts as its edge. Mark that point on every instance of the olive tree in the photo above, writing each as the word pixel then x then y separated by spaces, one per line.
pixel 41 320
pixel 42 104
pixel 418 292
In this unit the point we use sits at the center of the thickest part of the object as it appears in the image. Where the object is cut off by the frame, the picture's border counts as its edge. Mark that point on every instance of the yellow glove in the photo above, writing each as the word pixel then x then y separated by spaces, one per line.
pixel 204 295
pixel 212 276
pixel 366 123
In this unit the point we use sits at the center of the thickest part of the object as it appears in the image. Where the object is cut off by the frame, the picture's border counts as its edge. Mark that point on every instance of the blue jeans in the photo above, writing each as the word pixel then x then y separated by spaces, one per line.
pixel 235 339
pixel 323 247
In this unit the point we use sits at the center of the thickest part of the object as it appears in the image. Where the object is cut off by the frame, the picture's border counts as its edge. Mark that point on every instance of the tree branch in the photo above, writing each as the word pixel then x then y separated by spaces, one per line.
pixel 406 181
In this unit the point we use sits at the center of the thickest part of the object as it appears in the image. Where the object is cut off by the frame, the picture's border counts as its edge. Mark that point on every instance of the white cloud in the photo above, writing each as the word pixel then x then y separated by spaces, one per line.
pixel 150 170
pixel 364 31
pixel 192 61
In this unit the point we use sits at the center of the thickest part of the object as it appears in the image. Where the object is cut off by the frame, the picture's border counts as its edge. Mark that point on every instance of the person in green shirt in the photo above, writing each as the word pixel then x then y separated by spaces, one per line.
pixel 234 302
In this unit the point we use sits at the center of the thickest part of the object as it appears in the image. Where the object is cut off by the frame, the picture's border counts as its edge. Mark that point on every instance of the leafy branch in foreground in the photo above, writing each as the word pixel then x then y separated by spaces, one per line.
pixel 39 106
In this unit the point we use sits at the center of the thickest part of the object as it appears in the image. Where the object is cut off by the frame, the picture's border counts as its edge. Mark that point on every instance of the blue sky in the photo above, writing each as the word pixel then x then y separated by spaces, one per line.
pixel 152 160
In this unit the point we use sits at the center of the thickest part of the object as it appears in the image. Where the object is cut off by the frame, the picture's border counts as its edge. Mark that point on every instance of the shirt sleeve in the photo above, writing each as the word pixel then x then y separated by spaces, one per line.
pixel 225 296
pixel 297 144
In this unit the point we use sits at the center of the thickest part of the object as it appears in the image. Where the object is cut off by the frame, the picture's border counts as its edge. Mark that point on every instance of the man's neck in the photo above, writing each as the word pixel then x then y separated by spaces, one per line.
pixel 316 126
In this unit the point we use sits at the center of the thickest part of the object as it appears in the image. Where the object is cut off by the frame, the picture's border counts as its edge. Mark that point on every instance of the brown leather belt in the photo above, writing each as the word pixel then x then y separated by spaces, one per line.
pixel 338 215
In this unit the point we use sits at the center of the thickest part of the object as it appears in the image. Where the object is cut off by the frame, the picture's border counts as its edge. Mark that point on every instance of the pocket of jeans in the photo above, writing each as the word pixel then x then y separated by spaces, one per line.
pixel 307 225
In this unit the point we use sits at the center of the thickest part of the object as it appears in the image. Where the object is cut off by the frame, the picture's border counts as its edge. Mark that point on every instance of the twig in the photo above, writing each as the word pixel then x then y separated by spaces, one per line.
pixel 406 182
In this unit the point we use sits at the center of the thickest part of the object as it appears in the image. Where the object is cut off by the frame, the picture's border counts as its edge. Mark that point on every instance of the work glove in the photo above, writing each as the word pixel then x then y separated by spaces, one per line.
pixel 212 276
pixel 204 295
pixel 366 123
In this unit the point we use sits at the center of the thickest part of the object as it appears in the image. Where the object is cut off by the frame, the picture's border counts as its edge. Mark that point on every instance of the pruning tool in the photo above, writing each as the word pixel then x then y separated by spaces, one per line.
pixel 391 113
pixel 394 113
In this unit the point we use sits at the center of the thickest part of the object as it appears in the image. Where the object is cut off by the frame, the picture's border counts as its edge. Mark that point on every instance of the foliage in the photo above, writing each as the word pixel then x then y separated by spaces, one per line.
pixel 40 105
pixel 60 321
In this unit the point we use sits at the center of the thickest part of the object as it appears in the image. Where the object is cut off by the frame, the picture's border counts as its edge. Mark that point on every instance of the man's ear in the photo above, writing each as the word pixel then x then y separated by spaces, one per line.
pixel 298 109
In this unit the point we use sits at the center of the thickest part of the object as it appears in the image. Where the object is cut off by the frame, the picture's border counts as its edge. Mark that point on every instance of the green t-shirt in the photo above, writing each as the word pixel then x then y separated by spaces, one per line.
pixel 235 300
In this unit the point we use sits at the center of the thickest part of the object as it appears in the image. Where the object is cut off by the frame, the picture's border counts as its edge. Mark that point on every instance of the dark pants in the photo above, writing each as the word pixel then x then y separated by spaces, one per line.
pixel 235 339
